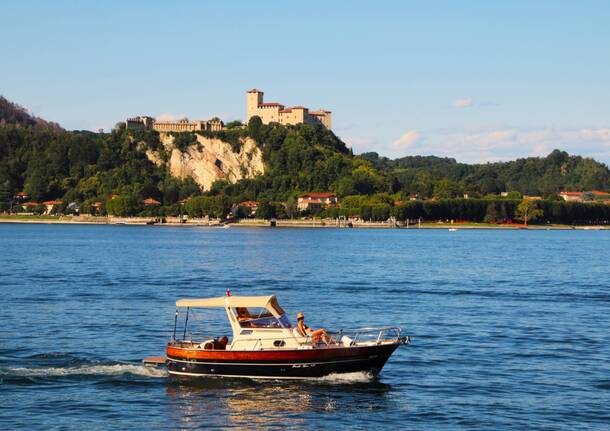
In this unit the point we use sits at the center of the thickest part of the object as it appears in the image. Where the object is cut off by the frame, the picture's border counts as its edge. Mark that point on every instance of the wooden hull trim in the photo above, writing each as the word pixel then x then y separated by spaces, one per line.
pixel 371 361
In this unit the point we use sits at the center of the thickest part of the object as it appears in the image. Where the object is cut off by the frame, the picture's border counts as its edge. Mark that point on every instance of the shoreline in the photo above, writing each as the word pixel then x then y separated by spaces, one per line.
pixel 311 224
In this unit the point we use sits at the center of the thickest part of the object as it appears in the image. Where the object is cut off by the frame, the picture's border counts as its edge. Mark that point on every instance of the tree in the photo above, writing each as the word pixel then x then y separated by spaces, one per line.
pixel 491 213
pixel 124 206
pixel 36 185
pixel 291 207
pixel 234 124
pixel 5 195
pixel 447 189
pixel 265 210
pixel 528 211
pixel 254 126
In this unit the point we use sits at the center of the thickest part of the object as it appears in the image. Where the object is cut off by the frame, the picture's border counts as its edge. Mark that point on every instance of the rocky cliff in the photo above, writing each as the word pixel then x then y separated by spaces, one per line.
pixel 209 160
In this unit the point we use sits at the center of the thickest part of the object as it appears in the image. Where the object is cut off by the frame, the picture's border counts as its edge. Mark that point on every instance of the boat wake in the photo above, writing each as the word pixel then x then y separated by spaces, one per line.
pixel 84 370
pixel 342 378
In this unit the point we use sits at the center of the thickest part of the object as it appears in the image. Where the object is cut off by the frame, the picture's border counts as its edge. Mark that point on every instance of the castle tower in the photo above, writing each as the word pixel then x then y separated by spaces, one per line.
pixel 254 98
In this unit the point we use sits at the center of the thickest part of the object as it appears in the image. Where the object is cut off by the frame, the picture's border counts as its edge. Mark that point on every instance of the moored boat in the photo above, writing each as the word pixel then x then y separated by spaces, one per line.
pixel 266 345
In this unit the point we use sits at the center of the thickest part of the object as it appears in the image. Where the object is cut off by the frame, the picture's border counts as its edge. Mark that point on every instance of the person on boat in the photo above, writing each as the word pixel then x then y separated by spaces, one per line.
pixel 243 314
pixel 305 330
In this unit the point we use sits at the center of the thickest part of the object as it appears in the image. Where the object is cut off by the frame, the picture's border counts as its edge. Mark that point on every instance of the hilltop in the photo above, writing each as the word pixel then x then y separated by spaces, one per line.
pixel 11 113
pixel 429 175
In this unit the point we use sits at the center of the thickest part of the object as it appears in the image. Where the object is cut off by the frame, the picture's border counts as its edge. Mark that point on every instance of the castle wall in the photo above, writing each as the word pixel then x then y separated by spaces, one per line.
pixel 148 123
pixel 269 114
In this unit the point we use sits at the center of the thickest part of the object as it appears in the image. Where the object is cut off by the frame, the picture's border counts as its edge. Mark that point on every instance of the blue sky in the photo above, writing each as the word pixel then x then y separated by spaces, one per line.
pixel 475 80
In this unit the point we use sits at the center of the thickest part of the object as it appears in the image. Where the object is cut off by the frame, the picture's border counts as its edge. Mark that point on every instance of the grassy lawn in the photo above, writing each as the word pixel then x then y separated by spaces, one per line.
pixel 27 217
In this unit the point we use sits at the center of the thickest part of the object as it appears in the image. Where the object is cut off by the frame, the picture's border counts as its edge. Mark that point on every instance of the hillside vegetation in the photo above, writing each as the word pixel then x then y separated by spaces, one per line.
pixel 11 113
pixel 559 171
pixel 47 162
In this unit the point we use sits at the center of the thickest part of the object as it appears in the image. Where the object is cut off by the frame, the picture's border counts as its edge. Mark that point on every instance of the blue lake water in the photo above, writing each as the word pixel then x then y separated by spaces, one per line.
pixel 511 329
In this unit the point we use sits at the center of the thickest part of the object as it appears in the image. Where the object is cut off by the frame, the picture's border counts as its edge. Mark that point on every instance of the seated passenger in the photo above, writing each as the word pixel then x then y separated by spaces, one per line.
pixel 221 344
pixel 305 330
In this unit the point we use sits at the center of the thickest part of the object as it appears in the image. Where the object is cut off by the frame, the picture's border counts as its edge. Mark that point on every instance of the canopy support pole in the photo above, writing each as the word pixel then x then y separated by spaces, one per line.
pixel 175 323
pixel 186 322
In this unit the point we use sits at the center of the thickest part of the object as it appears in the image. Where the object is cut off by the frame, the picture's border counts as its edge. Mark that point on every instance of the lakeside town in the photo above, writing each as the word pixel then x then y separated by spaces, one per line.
pixel 312 210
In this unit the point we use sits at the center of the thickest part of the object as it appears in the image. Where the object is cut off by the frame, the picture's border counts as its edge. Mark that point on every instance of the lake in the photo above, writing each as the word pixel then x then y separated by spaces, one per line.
pixel 510 328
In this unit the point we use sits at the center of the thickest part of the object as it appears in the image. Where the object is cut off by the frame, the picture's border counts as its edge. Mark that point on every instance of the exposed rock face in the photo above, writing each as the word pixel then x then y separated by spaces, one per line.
pixel 211 160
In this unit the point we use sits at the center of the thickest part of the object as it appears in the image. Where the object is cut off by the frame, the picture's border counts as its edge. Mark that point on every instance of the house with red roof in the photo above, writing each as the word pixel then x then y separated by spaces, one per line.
pixel 31 204
pixel 251 206
pixel 316 201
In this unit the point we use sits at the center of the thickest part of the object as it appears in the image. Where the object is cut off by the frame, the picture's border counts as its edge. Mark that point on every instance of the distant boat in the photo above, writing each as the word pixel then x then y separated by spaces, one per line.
pixel 452 229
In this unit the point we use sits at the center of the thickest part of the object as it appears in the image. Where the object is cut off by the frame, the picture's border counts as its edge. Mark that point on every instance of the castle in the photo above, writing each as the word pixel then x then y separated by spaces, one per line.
pixel 183 125
pixel 278 113
pixel 268 113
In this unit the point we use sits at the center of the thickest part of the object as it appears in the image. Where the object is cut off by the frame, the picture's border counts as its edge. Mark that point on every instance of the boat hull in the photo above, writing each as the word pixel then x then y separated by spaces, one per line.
pixel 279 364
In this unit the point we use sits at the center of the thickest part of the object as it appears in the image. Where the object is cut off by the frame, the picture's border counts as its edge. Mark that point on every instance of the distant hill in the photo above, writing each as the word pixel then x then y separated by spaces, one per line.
pixel 556 172
pixel 11 113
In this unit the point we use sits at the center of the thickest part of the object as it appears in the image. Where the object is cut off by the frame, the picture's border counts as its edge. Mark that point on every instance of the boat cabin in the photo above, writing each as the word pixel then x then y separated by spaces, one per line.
pixel 257 322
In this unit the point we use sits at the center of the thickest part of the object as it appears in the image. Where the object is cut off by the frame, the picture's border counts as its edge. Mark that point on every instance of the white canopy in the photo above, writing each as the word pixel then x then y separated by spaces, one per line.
pixel 268 302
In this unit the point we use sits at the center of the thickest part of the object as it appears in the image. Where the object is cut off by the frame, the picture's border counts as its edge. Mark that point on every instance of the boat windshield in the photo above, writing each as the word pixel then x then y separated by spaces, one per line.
pixel 260 318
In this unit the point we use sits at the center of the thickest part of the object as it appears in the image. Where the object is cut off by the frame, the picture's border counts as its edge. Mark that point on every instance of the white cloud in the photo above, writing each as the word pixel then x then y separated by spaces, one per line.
pixel 463 103
pixel 407 140
pixel 476 145
pixel 359 144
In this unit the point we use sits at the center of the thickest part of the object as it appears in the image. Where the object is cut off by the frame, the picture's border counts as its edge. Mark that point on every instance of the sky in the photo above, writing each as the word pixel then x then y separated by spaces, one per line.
pixel 478 81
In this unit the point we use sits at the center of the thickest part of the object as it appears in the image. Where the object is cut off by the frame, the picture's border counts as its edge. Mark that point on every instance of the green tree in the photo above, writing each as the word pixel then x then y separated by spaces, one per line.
pixel 6 196
pixel 527 211
pixel 36 185
pixel 233 124
pixel 491 214
pixel 445 189
pixel 255 125
pixel 291 207
pixel 265 210
pixel 124 206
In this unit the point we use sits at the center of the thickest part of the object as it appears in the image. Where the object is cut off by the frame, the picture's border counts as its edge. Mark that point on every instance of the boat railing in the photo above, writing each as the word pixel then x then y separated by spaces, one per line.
pixel 370 334
pixel 349 337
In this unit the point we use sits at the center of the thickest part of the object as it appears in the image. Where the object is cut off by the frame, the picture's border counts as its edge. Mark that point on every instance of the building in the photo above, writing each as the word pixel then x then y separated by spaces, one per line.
pixel 151 201
pixel 592 196
pixel 30 205
pixel 600 196
pixel 251 207
pixel 316 201
pixel 571 196
pixel 273 112
pixel 183 125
